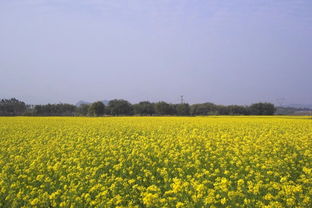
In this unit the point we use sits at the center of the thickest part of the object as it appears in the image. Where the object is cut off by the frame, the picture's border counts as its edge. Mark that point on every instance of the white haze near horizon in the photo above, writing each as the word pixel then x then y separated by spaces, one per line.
pixel 221 51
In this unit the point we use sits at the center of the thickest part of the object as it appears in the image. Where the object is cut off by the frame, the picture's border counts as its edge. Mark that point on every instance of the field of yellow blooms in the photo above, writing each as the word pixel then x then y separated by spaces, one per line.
pixel 156 162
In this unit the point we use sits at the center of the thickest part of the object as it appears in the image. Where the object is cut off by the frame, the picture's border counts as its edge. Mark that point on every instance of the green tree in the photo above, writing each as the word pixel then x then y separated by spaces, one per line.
pixel 61 109
pixel 144 108
pixel 204 109
pixel 183 109
pixel 96 109
pixel 119 107
pixel 163 108
pixel 12 107
pixel 262 109
pixel 237 110
pixel 83 110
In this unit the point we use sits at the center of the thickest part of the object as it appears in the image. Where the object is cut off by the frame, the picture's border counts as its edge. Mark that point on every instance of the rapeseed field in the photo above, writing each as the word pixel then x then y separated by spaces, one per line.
pixel 156 162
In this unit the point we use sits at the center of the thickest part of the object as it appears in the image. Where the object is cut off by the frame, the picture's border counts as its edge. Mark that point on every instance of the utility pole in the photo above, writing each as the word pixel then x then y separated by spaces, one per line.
pixel 182 99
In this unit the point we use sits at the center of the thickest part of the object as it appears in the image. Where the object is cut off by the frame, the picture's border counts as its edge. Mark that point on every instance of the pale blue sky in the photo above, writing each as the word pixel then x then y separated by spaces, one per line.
pixel 222 51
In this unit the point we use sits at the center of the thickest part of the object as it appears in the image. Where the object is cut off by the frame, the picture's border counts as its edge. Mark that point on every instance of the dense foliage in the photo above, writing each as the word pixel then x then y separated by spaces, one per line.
pixel 54 110
pixel 12 107
pixel 96 109
pixel 120 107
pixel 156 162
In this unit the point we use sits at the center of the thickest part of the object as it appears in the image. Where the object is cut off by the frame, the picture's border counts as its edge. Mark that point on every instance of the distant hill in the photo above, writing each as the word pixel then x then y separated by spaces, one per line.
pixel 295 109
pixel 82 102
pixel 299 106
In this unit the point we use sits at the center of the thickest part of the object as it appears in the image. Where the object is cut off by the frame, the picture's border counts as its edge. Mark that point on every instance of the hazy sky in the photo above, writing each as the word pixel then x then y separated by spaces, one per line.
pixel 222 51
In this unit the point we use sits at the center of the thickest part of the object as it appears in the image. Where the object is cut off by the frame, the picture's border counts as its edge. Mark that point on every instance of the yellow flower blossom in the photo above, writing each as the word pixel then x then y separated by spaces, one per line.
pixel 213 161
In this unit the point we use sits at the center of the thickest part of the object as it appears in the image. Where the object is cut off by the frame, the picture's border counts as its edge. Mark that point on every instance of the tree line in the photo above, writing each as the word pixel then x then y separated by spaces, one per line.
pixel 120 107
